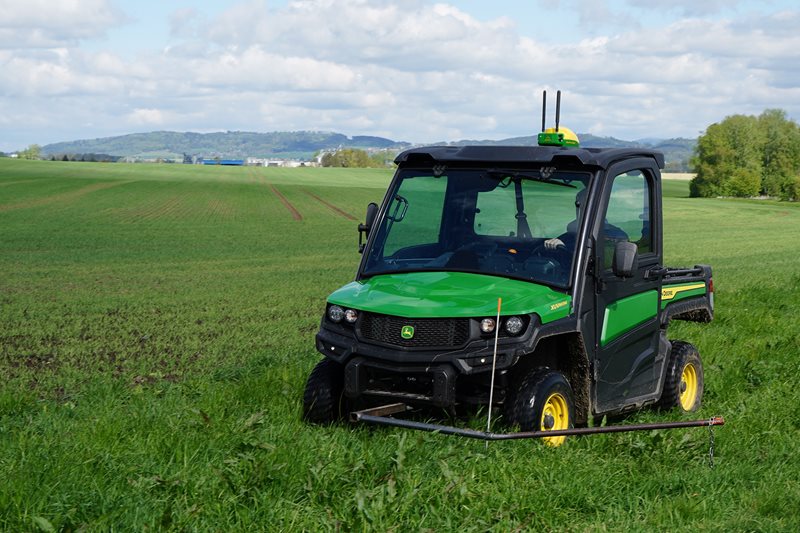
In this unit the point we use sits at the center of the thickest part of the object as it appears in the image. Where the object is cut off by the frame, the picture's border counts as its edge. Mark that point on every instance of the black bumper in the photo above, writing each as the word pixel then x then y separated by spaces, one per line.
pixel 440 377
pixel 416 376
pixel 435 385
pixel 475 357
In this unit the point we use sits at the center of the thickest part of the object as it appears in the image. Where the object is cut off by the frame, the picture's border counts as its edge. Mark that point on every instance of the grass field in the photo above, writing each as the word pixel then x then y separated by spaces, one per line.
pixel 156 330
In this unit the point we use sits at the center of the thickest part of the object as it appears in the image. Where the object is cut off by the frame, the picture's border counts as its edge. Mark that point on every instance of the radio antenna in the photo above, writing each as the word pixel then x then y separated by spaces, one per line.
pixel 544 108
pixel 494 362
pixel 558 136
pixel 558 109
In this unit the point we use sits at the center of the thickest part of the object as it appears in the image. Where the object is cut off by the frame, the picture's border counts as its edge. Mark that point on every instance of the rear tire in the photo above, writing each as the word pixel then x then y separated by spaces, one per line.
pixel 323 400
pixel 683 384
pixel 542 402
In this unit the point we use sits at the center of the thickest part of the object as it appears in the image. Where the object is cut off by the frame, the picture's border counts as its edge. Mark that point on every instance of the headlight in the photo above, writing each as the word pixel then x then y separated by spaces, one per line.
pixel 514 325
pixel 335 313
pixel 487 325
pixel 351 316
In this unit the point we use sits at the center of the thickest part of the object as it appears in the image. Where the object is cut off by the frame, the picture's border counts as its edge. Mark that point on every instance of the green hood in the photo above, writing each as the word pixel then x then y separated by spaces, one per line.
pixel 451 294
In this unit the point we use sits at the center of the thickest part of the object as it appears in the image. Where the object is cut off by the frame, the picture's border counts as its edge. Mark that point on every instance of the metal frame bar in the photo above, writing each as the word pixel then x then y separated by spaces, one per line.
pixel 379 416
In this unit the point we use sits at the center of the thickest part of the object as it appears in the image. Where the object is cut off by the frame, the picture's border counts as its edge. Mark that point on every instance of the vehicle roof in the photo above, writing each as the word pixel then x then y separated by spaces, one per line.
pixel 502 155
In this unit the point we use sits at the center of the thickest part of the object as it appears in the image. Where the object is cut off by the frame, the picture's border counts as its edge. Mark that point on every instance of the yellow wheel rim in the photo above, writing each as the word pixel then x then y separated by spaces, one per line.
pixel 689 386
pixel 555 415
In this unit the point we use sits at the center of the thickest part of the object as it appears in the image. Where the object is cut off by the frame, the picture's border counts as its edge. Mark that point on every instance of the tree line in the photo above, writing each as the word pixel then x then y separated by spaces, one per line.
pixel 34 151
pixel 89 158
pixel 355 158
pixel 747 156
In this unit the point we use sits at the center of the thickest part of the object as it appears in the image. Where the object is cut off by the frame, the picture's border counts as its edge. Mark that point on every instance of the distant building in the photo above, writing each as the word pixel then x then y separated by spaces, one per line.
pixel 285 163
pixel 225 162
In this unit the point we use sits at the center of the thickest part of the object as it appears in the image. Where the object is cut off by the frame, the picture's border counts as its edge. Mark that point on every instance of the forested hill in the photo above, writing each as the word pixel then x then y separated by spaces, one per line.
pixel 677 152
pixel 231 144
pixel 303 145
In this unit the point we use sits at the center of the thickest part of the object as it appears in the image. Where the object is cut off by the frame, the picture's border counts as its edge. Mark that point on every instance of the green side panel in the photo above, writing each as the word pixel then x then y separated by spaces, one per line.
pixel 674 293
pixel 628 313
pixel 451 295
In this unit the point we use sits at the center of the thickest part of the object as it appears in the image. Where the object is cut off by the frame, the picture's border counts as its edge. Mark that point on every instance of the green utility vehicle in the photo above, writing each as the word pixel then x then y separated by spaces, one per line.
pixel 565 241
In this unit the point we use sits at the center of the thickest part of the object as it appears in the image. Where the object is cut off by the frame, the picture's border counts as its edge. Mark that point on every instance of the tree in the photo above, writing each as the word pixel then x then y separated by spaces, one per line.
pixel 746 156
pixel 347 157
pixel 381 159
pixel 725 150
pixel 728 159
pixel 781 153
pixel 33 151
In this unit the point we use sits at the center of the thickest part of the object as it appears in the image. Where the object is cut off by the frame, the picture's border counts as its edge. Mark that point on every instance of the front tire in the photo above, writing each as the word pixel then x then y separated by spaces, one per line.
pixel 683 385
pixel 543 402
pixel 323 400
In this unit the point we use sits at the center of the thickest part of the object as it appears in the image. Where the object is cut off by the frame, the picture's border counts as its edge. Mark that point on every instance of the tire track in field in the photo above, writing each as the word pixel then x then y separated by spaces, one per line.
pixel 67 197
pixel 148 211
pixel 330 206
pixel 167 208
pixel 219 210
pixel 286 203
pixel 4 183
pixel 176 207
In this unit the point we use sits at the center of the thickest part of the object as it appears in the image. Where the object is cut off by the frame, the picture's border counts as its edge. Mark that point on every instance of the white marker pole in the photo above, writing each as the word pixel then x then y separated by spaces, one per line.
pixel 494 361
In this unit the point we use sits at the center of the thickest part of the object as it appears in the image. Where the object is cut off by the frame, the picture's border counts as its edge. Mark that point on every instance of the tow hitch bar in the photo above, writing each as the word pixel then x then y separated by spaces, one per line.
pixel 382 416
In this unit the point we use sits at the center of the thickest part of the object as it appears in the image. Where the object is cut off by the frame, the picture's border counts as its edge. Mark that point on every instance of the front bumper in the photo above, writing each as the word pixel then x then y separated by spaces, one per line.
pixel 434 385
pixel 475 357
pixel 437 377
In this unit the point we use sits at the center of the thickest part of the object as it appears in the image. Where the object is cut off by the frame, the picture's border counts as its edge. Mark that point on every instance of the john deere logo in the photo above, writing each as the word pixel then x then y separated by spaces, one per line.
pixel 407 332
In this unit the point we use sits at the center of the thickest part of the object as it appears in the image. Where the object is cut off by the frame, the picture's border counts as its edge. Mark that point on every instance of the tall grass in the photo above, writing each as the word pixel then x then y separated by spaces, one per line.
pixel 155 337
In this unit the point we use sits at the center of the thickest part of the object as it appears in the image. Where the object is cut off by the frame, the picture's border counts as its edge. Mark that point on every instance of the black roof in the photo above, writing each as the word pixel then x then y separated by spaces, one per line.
pixel 597 157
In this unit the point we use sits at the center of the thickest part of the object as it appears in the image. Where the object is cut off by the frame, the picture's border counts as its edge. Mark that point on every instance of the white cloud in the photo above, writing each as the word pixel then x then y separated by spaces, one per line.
pixel 146 117
pixel 183 22
pixel 56 73
pixel 686 7
pixel 416 70
pixel 48 23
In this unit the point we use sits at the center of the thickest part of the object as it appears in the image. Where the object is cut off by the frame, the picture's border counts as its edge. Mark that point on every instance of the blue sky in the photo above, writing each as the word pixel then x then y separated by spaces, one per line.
pixel 413 70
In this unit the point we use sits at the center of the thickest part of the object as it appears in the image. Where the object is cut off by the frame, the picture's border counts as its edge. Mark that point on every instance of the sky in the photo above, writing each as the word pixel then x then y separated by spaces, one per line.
pixel 411 70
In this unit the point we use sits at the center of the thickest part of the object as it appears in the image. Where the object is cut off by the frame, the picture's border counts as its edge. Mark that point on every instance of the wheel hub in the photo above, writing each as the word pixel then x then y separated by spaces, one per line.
pixel 554 417
pixel 688 387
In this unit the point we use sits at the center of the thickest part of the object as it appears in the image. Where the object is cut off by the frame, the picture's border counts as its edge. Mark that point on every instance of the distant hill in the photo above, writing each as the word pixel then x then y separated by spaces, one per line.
pixel 230 144
pixel 677 152
pixel 303 145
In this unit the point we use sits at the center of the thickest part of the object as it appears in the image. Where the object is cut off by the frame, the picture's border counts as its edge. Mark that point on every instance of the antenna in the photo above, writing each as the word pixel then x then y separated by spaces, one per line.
pixel 563 137
pixel 558 109
pixel 544 108
pixel 494 362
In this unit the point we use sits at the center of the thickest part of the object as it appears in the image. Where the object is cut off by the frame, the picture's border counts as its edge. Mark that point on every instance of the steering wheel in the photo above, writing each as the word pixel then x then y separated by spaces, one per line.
pixel 550 262
pixel 541 250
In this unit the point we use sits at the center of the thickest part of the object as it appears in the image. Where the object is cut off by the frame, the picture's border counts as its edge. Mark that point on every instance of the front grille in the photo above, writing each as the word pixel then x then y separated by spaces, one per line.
pixel 428 332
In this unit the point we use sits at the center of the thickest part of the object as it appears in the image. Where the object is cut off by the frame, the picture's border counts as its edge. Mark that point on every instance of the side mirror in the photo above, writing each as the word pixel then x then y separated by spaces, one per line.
pixel 626 259
pixel 363 229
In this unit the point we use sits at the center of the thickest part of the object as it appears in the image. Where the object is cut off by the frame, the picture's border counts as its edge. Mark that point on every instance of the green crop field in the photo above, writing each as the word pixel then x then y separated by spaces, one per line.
pixel 157 326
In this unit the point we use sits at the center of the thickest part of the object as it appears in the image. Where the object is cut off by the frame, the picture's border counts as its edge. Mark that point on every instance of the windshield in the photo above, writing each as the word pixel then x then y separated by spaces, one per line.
pixel 521 224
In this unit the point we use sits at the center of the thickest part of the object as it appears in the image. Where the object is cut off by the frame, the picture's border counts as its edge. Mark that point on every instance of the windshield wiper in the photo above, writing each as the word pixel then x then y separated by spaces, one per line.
pixel 501 174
